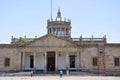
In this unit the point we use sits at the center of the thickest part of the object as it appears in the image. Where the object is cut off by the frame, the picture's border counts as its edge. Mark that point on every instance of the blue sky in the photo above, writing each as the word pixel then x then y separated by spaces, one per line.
pixel 28 18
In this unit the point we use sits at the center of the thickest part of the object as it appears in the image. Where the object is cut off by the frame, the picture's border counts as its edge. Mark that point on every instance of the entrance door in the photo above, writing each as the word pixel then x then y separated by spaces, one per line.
pixel 72 61
pixel 50 61
pixel 31 61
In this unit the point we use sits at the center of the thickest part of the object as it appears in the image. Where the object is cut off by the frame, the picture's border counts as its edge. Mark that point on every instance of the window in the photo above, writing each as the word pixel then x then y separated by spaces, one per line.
pixel 58 31
pixel 63 30
pixel 95 61
pixel 72 61
pixel 101 53
pixel 66 31
pixel 7 62
pixel 117 61
pixel 50 30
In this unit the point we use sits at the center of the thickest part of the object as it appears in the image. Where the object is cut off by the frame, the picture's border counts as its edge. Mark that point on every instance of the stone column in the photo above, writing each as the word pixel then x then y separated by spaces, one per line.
pixel 67 64
pixel 45 64
pixel 34 61
pixel 56 61
pixel 23 61
pixel 77 61
pixel 67 61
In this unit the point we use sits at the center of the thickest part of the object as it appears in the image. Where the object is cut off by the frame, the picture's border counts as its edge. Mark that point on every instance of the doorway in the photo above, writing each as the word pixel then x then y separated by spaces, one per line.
pixel 72 61
pixel 51 61
pixel 31 61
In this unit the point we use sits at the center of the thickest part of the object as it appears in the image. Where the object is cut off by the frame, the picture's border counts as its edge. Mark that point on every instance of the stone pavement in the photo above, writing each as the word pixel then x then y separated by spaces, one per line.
pixel 63 78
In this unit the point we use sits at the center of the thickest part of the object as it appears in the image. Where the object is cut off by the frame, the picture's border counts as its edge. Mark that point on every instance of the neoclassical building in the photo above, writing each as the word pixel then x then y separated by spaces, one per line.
pixel 57 50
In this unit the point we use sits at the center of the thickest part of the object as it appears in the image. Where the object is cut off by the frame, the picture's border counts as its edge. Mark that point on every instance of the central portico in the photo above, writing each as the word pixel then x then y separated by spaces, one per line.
pixel 50 53
pixel 49 61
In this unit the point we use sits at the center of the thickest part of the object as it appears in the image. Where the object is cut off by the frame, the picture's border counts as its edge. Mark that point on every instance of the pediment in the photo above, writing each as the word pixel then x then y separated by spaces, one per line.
pixel 50 40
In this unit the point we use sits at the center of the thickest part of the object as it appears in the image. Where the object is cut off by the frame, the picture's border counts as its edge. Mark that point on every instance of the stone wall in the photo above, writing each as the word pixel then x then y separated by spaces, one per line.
pixel 14 56
pixel 87 54
pixel 110 53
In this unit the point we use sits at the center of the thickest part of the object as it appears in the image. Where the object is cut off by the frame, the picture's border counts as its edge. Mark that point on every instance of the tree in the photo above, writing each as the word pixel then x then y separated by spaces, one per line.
pixel 20 41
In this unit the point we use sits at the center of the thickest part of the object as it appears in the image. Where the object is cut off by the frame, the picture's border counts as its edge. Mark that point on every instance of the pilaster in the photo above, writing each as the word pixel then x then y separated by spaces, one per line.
pixel 78 61
pixel 23 61
pixel 101 58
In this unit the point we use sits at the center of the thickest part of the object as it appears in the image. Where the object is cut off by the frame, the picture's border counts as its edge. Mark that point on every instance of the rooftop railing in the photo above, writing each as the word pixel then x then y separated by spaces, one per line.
pixel 87 40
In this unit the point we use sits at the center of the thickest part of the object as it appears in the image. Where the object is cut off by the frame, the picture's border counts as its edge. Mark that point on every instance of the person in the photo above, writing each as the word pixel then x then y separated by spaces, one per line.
pixel 50 67
pixel 31 73
pixel 61 73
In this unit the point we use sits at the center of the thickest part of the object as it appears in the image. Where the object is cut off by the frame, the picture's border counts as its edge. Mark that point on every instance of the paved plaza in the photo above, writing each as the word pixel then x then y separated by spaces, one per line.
pixel 63 78
pixel 76 76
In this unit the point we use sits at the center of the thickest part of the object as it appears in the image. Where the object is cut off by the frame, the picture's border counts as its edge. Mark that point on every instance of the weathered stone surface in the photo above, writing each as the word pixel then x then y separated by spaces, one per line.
pixel 14 56
pixel 110 53
pixel 53 43
pixel 51 40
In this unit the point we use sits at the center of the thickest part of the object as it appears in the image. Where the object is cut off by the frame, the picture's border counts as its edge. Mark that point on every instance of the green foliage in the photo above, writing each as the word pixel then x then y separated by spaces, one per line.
pixel 20 41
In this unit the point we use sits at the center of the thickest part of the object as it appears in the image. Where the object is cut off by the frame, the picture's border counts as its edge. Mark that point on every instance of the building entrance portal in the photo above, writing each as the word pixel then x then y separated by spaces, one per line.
pixel 50 61
pixel 31 61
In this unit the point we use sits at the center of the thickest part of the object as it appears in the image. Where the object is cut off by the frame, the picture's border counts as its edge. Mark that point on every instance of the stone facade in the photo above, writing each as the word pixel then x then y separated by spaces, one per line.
pixel 14 56
pixel 58 51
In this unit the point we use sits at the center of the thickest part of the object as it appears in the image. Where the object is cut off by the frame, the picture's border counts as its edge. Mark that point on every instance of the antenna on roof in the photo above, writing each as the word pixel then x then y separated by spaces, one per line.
pixel 51 9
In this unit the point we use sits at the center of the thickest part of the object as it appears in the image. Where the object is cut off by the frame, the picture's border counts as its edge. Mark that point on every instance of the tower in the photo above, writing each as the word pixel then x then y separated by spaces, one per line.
pixel 59 26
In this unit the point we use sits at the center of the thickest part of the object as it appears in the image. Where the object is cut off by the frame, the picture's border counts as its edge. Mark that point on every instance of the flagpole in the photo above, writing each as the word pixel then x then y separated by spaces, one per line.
pixel 51 9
